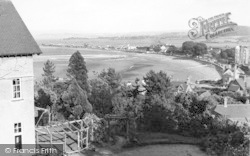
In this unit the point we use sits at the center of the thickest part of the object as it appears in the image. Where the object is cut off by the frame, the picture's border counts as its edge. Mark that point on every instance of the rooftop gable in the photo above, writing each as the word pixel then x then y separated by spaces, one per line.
pixel 15 38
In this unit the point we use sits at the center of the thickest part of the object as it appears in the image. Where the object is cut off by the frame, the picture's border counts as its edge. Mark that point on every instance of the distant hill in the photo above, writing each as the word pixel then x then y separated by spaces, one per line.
pixel 242 31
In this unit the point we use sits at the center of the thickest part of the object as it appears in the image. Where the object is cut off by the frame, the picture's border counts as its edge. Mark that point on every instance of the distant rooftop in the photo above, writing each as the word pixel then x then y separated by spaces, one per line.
pixel 235 112
pixel 15 38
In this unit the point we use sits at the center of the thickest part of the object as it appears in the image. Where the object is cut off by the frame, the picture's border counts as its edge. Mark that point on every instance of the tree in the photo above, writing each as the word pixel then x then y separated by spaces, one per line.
pixel 48 71
pixel 156 48
pixel 224 55
pixel 101 97
pixel 200 49
pixel 112 78
pixel 188 47
pixel 172 49
pixel 157 105
pixel 77 70
pixel 157 84
pixel 42 99
pixel 75 102
pixel 193 48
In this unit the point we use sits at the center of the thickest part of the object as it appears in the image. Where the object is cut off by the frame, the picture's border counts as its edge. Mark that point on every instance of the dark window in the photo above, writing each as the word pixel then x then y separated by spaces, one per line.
pixel 17 127
pixel 16 88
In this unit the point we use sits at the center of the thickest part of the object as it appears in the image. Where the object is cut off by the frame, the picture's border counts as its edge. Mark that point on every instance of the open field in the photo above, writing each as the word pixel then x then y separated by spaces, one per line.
pixel 130 65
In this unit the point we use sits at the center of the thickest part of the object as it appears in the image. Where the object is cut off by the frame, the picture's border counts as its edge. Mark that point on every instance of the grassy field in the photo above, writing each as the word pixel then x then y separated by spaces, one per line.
pixel 164 150
pixel 129 65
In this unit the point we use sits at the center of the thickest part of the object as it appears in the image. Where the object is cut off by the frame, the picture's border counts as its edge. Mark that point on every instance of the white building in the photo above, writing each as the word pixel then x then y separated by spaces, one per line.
pixel 241 55
pixel 17 47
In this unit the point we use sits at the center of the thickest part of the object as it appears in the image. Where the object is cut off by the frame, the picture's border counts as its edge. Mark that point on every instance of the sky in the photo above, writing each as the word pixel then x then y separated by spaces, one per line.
pixel 123 16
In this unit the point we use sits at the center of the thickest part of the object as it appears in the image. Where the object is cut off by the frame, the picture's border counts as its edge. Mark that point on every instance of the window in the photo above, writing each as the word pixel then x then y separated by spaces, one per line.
pixel 17 128
pixel 16 88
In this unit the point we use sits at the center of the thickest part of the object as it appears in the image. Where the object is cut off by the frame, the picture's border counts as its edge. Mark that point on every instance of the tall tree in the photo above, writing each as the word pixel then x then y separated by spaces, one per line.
pixel 75 101
pixel 157 83
pixel 48 73
pixel 77 69
pixel 101 97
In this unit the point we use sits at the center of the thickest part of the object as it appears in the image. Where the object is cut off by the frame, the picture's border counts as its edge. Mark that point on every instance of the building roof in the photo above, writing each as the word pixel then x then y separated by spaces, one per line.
pixel 228 72
pixel 204 95
pixel 236 112
pixel 241 83
pixel 15 38
pixel 236 84
pixel 233 88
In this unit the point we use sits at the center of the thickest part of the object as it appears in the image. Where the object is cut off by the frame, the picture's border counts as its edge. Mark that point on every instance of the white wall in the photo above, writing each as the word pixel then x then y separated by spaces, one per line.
pixel 15 111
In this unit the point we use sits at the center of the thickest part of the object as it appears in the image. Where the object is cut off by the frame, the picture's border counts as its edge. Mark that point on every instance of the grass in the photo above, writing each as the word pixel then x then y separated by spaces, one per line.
pixel 165 138
pixel 154 144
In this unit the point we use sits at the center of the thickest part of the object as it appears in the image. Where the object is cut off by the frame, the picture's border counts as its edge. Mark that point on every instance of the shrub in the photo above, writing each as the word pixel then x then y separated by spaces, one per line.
pixel 225 138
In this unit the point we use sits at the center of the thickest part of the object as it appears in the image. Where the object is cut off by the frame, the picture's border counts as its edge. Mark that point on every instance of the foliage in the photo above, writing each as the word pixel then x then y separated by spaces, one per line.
pixel 225 138
pixel 77 70
pixel 193 48
pixel 188 47
pixel 192 115
pixel 158 101
pixel 156 48
pixel 172 49
pixel 200 49
pixel 48 71
pixel 43 99
pixel 101 97
pixel 110 77
pixel 104 89
pixel 75 102
pixel 128 102
pixel 157 84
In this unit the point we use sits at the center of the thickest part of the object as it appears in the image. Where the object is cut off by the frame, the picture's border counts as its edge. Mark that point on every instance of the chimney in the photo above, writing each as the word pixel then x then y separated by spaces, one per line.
pixel 225 101
pixel 235 69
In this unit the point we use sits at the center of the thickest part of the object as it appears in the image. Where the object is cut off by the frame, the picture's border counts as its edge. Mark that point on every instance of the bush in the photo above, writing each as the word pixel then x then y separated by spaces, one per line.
pixel 154 118
pixel 225 138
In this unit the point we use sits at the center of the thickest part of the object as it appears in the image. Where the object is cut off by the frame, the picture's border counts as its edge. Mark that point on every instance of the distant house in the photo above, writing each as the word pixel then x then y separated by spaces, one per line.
pixel 234 112
pixel 129 47
pixel 164 48
pixel 227 76
pixel 237 85
pixel 232 74
pixel 143 49
pixel 182 87
pixel 204 95
pixel 214 50
pixel 139 85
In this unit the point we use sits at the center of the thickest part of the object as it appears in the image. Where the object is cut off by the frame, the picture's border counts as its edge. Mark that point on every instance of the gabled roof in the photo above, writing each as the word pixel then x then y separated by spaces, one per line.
pixel 204 95
pixel 239 83
pixel 228 72
pixel 234 111
pixel 233 88
pixel 240 71
pixel 15 38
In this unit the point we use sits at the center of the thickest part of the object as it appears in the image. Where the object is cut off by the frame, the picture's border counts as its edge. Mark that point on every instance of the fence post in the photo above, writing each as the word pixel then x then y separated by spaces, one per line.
pixel 87 138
